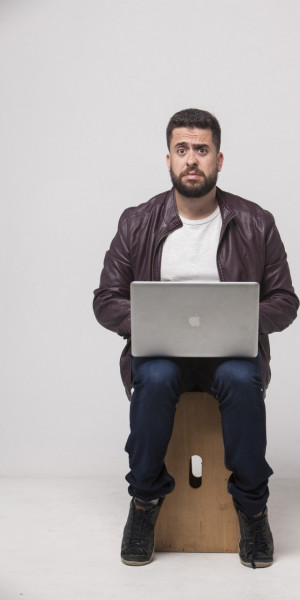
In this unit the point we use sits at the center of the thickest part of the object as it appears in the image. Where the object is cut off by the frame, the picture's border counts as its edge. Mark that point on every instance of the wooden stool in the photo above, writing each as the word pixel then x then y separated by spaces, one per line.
pixel 199 519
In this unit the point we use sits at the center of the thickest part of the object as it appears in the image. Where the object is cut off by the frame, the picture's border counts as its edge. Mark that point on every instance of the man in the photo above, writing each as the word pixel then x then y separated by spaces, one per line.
pixel 197 232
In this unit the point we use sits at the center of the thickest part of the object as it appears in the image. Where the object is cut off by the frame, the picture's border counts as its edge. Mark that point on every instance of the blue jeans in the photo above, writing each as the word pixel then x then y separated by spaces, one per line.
pixel 237 385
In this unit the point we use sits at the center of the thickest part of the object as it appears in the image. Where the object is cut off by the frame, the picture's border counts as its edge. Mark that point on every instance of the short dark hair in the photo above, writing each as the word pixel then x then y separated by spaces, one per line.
pixel 194 117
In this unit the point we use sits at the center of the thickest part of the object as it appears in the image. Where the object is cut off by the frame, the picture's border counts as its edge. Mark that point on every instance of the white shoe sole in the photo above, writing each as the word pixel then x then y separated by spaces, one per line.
pixel 136 563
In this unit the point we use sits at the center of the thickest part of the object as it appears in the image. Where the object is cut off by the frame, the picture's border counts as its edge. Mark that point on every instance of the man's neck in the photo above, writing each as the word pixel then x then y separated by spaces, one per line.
pixel 196 208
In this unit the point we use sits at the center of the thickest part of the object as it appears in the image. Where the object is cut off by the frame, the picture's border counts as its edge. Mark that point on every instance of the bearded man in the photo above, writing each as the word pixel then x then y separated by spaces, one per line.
pixel 195 232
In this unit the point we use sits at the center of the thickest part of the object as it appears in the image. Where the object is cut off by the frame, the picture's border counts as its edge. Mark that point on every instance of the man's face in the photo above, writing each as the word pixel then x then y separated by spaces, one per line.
pixel 193 161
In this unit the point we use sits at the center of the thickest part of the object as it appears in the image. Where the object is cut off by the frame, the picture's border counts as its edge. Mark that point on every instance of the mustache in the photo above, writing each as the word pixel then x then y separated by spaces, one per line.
pixel 194 171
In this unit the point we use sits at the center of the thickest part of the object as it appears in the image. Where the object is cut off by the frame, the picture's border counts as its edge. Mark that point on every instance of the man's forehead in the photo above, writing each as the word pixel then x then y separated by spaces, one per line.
pixel 194 135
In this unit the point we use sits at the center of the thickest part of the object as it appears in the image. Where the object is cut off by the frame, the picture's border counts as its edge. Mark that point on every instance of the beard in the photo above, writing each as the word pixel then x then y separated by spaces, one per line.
pixel 194 189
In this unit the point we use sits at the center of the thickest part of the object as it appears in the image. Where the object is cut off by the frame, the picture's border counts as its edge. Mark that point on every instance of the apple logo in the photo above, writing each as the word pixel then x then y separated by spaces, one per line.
pixel 194 321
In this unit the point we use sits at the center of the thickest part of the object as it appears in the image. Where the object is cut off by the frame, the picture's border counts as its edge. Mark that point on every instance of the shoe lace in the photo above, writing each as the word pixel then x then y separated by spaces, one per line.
pixel 260 544
pixel 138 521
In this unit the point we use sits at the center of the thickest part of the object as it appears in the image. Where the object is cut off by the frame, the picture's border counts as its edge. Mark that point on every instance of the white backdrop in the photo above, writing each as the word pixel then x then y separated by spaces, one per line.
pixel 87 89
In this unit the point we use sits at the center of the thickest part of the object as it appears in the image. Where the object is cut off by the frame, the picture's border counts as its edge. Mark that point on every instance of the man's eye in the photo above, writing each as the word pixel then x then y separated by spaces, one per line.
pixel 181 150
pixel 202 150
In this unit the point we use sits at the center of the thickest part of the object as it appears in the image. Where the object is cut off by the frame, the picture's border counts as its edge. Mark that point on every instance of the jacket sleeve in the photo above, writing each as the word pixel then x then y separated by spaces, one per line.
pixel 278 301
pixel 112 298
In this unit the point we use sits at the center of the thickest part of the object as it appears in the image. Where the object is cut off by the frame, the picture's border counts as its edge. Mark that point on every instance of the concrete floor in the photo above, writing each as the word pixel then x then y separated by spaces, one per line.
pixel 60 540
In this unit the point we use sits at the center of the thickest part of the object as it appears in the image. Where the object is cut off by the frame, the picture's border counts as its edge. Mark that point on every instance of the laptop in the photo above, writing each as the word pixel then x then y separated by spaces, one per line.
pixel 194 319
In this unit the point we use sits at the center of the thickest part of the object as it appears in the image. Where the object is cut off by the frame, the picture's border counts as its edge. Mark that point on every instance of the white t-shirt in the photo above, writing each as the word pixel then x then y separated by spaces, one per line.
pixel 190 253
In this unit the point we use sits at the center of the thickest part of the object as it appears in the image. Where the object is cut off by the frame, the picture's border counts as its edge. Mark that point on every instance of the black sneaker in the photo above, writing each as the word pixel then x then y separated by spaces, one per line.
pixel 138 537
pixel 256 544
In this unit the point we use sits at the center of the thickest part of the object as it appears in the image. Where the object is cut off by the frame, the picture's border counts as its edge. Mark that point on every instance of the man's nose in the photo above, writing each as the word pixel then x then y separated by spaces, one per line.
pixel 192 158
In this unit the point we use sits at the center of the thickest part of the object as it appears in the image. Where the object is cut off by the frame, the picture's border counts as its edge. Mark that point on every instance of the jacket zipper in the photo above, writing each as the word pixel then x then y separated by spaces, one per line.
pixel 154 253
pixel 158 244
pixel 219 264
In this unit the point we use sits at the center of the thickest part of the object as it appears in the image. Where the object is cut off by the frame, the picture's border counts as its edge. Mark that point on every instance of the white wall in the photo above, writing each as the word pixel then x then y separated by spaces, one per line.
pixel 87 88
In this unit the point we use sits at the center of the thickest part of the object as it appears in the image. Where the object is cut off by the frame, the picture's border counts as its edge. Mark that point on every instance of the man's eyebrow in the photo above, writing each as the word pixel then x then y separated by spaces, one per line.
pixel 200 146
pixel 185 144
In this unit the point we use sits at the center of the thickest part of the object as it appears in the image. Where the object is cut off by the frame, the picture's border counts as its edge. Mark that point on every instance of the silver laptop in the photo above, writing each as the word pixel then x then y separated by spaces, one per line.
pixel 200 319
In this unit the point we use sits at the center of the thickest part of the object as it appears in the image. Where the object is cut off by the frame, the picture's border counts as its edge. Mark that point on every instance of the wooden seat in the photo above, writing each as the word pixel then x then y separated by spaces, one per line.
pixel 199 519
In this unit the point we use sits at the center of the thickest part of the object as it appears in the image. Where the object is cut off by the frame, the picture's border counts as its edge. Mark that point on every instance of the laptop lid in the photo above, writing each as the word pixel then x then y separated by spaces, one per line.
pixel 194 319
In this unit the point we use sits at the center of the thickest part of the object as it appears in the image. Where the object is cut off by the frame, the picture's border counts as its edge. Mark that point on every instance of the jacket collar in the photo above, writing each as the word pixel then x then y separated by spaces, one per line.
pixel 226 211
pixel 171 217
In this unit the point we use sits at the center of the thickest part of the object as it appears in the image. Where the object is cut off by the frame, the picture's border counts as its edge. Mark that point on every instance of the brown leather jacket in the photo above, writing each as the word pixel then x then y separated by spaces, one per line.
pixel 250 249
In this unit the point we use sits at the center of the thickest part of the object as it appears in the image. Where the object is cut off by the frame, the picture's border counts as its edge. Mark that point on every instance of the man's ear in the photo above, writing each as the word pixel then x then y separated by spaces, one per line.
pixel 168 161
pixel 220 160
